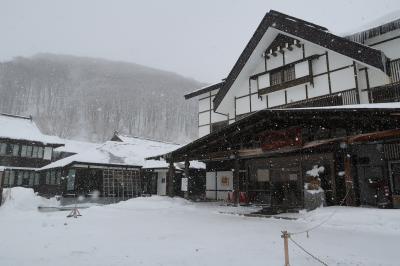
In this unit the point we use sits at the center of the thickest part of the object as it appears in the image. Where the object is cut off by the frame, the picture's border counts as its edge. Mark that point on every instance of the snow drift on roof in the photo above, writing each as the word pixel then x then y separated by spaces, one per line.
pixel 23 128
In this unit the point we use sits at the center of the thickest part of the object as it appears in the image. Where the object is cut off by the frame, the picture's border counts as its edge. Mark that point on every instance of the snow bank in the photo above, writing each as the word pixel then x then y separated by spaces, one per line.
pixel 152 203
pixel 355 219
pixel 24 199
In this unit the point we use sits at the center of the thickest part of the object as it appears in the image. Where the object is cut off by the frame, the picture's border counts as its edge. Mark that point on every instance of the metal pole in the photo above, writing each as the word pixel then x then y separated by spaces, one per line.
pixel 285 236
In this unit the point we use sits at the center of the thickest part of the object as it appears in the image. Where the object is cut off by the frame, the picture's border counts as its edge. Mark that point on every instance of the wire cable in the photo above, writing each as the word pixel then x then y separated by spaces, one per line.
pixel 323 221
pixel 306 251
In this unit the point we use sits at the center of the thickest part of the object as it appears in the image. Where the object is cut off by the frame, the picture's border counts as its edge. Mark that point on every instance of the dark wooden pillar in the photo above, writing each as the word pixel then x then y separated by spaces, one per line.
pixel 170 180
pixel 236 181
pixel 187 165
pixel 349 181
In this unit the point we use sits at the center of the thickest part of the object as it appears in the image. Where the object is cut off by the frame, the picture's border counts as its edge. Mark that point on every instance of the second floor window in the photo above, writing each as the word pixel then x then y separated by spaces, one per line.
pixel 282 75
pixel 276 78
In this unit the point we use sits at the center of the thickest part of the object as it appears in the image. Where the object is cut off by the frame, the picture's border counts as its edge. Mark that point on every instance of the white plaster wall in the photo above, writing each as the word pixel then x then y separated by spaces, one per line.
pixel 204 104
pixel 301 69
pixel 253 84
pixel 343 80
pixel 362 85
pixel 263 81
pixel 377 78
pixel 321 87
pixel 294 55
pixel 204 118
pixel 319 65
pixel 258 103
pixel 204 130
pixel 210 185
pixel 242 105
pixel 275 61
pixel 312 49
pixel 390 48
pixel 337 60
pixel 217 117
pixel 276 98
pixel 296 93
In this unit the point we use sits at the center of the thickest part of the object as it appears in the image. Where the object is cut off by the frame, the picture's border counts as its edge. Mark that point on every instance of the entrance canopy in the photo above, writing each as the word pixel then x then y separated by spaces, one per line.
pixel 246 137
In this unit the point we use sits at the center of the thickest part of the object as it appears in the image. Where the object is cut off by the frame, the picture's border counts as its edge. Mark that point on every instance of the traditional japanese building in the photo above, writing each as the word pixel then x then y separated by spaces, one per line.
pixel 154 172
pixel 113 171
pixel 23 150
pixel 109 170
pixel 299 109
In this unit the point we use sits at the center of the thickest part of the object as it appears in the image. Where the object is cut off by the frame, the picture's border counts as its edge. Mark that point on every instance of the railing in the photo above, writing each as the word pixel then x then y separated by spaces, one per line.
pixel 395 71
pixel 385 93
pixel 340 98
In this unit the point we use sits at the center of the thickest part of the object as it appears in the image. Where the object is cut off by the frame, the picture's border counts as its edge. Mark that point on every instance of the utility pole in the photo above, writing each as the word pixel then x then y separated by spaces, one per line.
pixel 285 235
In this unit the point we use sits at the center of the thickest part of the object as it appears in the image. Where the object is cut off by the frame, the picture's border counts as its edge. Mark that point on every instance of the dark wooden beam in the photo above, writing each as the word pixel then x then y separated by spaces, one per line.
pixel 187 165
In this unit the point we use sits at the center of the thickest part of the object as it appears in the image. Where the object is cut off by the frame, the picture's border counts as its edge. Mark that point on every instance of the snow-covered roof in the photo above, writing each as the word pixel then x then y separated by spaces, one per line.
pixel 75 146
pixel 130 152
pixel 108 153
pixel 387 18
pixel 204 89
pixel 23 128
pixel 382 25
pixel 5 167
pixel 147 148
pixel 392 105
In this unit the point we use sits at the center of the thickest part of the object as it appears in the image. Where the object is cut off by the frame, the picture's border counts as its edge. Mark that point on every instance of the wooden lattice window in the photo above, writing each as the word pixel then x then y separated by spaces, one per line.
pixel 282 75
pixel 288 74
pixel 276 78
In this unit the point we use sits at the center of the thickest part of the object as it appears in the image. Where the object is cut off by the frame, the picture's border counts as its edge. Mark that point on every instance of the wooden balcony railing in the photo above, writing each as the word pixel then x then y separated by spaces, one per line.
pixel 385 93
pixel 340 98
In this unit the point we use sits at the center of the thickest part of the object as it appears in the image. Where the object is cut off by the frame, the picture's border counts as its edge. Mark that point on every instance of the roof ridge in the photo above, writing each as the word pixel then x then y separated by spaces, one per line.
pixel 146 138
pixel 17 116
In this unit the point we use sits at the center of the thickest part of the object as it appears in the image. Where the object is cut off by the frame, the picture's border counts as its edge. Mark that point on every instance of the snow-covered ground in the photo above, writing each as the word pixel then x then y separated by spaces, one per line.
pixel 165 231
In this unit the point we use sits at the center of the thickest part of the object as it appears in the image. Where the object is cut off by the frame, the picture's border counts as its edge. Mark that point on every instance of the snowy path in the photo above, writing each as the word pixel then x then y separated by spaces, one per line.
pixel 163 231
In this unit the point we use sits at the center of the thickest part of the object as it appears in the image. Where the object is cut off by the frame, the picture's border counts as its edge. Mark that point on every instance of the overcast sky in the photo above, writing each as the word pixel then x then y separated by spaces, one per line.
pixel 200 39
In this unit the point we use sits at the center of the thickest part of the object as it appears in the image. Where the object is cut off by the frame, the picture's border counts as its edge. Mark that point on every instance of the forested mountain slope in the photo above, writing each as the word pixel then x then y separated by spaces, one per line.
pixel 88 98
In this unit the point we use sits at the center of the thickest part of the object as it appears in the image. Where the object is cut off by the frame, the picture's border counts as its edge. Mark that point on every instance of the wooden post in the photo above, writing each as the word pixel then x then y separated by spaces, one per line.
pixel 187 165
pixel 170 179
pixel 350 199
pixel 285 236
pixel 236 181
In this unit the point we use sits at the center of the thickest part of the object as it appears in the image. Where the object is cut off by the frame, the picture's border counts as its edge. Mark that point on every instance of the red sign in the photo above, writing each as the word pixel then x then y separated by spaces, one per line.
pixel 274 140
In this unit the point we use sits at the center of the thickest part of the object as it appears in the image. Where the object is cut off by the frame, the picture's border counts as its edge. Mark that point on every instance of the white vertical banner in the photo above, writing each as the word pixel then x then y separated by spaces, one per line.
pixel 184 184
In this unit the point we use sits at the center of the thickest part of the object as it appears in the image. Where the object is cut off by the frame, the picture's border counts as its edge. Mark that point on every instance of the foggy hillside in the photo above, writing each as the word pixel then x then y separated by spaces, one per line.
pixel 88 98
